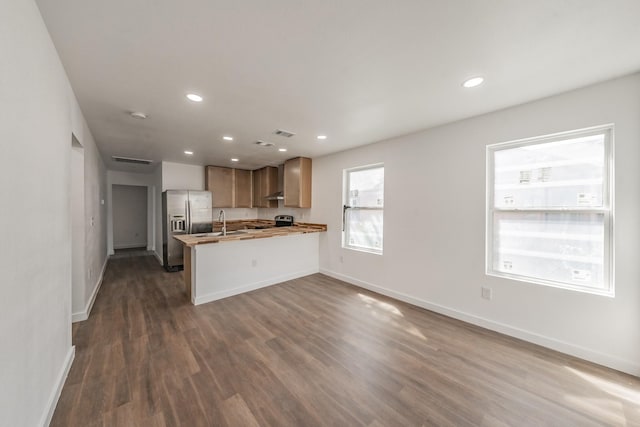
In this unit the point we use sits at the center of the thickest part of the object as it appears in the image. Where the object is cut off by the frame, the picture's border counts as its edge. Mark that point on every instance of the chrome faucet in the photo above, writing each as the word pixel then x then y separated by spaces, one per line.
pixel 221 217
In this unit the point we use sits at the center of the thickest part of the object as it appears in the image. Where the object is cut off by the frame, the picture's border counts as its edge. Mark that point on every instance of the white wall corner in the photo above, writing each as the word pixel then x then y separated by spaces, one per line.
pixel 45 420
pixel 158 257
pixel 608 360
pixel 84 314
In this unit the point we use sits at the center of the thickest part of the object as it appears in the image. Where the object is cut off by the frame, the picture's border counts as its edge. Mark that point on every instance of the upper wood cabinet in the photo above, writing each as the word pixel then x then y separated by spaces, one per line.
pixel 219 181
pixel 243 189
pixel 231 188
pixel 265 182
pixel 297 182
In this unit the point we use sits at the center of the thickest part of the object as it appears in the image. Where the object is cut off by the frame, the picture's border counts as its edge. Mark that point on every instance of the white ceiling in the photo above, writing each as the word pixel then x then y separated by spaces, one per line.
pixel 359 71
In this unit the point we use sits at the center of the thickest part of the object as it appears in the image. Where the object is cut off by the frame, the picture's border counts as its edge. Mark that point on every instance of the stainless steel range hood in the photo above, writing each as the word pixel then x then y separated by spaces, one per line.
pixel 278 195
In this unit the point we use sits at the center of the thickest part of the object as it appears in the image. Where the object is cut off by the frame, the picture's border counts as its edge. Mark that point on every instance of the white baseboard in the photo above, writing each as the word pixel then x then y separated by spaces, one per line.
pixel 84 314
pixel 251 287
pixel 45 420
pixel 630 367
pixel 130 245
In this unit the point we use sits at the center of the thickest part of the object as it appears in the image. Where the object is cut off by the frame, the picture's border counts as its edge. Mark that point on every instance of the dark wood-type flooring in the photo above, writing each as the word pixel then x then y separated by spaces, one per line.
pixel 315 352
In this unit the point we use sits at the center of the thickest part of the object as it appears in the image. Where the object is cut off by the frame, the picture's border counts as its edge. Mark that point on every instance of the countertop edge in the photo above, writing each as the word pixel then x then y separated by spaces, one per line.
pixel 299 228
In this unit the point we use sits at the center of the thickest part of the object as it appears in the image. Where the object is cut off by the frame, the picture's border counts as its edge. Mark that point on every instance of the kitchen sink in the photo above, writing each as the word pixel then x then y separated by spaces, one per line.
pixel 219 233
pixel 231 233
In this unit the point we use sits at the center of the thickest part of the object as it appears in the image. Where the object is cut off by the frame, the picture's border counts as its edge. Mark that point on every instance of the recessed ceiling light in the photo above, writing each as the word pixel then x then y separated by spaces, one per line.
pixel 227 138
pixel 194 97
pixel 282 149
pixel 138 115
pixel 234 160
pixel 321 137
pixel 473 82
pixel 188 153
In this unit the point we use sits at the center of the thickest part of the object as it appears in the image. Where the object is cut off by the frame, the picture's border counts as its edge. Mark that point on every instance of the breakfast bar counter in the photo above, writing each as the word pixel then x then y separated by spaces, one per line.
pixel 217 266
pixel 250 233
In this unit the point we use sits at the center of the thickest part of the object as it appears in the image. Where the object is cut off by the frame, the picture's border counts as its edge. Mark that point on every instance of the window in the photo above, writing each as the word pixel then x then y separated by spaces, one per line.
pixel 362 212
pixel 549 218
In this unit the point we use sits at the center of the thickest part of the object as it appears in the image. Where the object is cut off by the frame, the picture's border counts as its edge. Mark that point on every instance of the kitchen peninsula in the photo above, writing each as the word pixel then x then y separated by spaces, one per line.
pixel 249 257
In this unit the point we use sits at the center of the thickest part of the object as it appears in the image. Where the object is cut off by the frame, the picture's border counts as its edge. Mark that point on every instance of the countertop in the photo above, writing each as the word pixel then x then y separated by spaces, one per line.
pixel 249 232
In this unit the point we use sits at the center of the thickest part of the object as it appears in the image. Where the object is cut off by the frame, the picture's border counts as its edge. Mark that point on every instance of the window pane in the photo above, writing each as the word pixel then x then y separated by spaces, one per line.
pixel 555 246
pixel 363 229
pixel 566 173
pixel 366 188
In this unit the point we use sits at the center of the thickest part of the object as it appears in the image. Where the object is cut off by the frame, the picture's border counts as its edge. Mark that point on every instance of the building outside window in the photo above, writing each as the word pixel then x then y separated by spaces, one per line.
pixel 363 208
pixel 549 210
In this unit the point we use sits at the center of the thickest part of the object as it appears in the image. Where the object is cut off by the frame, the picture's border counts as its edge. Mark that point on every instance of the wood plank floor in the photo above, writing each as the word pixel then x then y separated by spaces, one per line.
pixel 315 352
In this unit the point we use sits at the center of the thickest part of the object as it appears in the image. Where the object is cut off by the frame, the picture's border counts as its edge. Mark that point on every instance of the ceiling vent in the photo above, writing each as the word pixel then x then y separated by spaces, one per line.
pixel 283 133
pixel 264 143
pixel 131 160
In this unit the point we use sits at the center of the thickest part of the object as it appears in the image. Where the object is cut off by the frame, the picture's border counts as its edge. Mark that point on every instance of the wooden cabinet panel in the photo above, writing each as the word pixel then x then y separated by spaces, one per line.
pixel 257 195
pixel 243 188
pixel 297 182
pixel 219 180
pixel 270 185
pixel 231 188
pixel 265 182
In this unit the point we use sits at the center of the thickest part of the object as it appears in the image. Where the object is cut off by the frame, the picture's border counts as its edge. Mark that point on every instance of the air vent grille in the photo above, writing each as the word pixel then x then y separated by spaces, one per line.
pixel 283 133
pixel 131 160
pixel 264 143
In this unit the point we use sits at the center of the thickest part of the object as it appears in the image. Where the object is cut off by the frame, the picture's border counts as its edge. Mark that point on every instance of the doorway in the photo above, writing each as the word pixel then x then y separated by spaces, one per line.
pixel 130 227
pixel 78 279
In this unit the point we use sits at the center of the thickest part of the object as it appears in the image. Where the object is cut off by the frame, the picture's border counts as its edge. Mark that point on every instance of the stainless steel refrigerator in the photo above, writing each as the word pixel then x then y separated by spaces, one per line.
pixel 183 212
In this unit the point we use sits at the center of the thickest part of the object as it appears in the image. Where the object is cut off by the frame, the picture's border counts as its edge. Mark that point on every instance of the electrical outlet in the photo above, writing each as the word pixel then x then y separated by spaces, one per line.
pixel 254 262
pixel 92 221
pixel 487 293
pixel 90 274
pixel 341 259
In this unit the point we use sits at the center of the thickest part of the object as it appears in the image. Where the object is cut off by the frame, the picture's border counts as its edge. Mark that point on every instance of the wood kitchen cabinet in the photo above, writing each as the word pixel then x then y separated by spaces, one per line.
pixel 231 188
pixel 297 182
pixel 219 181
pixel 243 189
pixel 265 182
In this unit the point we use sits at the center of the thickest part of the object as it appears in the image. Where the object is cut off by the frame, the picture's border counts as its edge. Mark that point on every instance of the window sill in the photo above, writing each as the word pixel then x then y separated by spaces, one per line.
pixel 366 250
pixel 610 293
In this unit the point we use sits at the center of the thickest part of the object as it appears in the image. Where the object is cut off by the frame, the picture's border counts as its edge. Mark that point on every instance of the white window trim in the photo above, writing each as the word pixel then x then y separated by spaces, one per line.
pixel 345 201
pixel 607 209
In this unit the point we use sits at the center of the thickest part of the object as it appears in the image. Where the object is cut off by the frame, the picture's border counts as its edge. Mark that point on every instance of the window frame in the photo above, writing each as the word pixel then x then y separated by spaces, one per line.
pixel 345 208
pixel 607 208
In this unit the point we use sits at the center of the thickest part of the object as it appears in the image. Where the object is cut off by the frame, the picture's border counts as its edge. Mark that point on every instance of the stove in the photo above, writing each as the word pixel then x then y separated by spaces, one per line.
pixel 284 220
